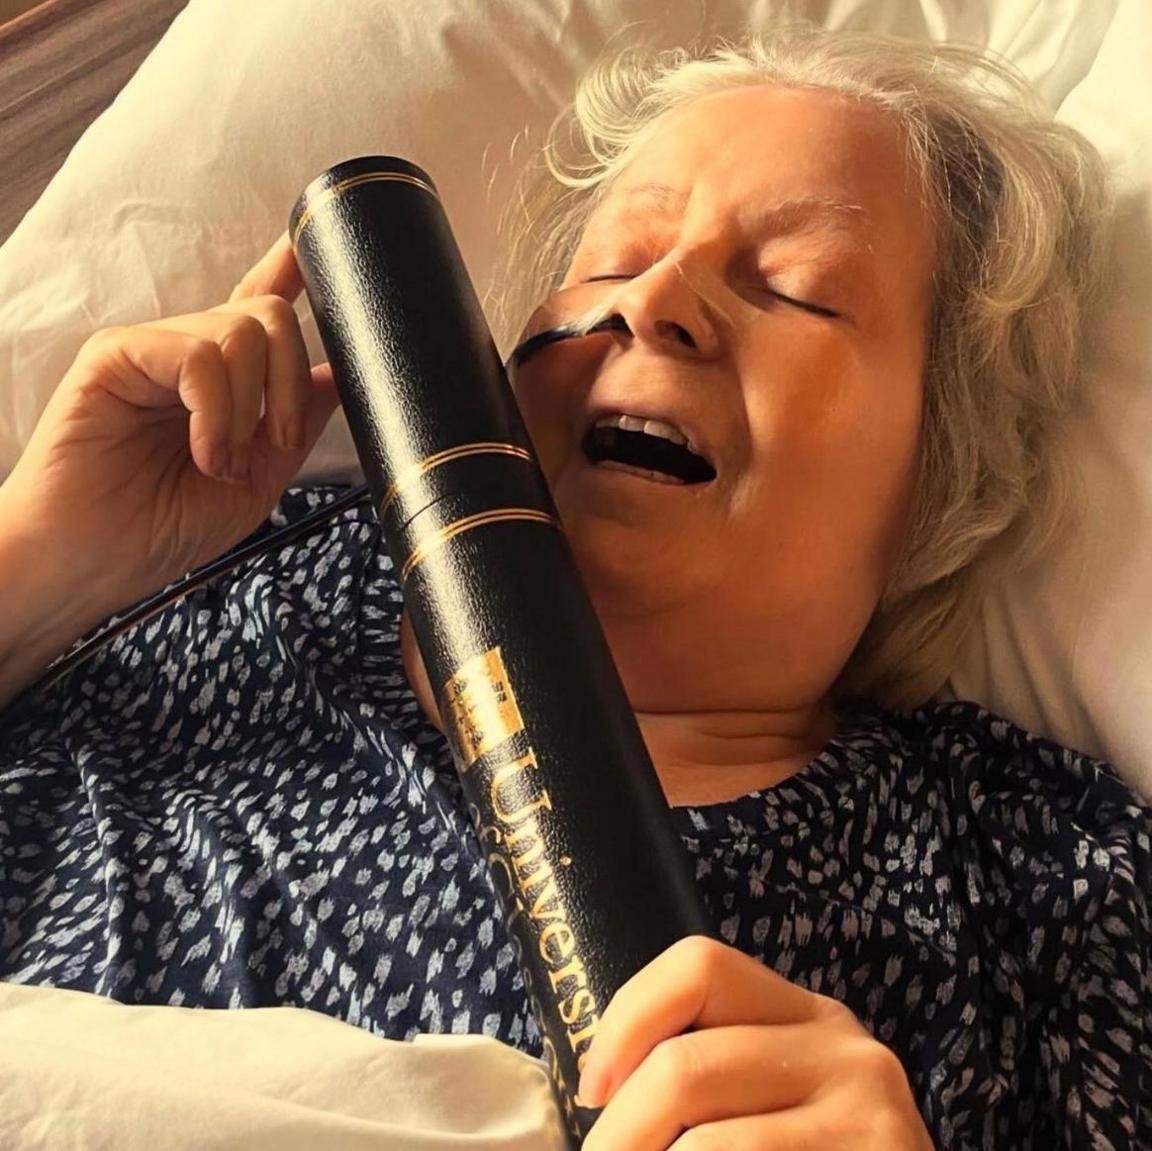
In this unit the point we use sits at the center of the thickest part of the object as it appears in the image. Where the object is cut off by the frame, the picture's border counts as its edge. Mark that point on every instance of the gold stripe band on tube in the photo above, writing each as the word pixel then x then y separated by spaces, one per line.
pixel 442 535
pixel 447 456
pixel 354 182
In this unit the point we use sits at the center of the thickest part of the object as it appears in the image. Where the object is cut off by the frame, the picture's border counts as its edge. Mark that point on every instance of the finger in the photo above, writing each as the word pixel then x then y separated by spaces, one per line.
pixel 287 388
pixel 276 273
pixel 324 401
pixel 696 983
pixel 152 368
pixel 800 1129
pixel 290 379
pixel 706 1076
pixel 244 345
pixel 814 1125
pixel 268 364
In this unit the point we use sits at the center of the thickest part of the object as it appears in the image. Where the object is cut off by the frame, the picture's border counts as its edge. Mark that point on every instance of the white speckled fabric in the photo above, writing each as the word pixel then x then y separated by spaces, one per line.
pixel 240 804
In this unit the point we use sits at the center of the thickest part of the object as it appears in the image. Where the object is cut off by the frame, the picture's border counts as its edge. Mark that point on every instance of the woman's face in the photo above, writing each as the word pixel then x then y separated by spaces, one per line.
pixel 768 254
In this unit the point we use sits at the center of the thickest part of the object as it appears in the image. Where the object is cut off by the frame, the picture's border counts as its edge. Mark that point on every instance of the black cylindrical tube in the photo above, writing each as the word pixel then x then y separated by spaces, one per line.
pixel 593 880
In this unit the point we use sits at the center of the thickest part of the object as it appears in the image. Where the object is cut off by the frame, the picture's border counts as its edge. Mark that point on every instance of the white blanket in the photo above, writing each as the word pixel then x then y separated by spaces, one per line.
pixel 78 1071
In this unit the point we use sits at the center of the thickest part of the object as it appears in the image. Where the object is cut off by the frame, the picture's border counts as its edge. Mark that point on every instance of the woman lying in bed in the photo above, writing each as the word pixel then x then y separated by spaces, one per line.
pixel 850 284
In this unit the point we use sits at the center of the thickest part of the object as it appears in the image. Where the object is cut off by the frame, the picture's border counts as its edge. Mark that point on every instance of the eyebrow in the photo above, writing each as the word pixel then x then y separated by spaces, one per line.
pixel 789 215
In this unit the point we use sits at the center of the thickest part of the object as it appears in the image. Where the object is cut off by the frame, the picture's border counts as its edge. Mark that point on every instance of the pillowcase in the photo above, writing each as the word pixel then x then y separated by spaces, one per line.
pixel 1065 649
pixel 178 187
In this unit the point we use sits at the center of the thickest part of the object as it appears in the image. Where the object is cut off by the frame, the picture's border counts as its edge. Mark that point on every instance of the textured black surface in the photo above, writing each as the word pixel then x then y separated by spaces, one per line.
pixel 419 375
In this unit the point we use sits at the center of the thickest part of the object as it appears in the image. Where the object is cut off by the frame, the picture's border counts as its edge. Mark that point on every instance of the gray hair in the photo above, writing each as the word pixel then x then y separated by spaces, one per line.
pixel 1019 203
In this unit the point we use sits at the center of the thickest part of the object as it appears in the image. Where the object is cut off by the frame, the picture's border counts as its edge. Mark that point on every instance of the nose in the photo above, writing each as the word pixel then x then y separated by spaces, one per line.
pixel 664 311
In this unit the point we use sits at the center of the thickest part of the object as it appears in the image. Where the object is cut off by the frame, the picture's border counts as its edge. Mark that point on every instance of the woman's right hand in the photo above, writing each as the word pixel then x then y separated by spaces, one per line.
pixel 152 456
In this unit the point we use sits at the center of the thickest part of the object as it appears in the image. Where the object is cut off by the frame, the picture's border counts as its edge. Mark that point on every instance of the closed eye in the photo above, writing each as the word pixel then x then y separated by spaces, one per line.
pixel 816 309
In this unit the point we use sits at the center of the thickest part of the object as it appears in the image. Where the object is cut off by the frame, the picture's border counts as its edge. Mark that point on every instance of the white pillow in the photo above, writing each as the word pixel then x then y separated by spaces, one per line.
pixel 1066 649
pixel 180 185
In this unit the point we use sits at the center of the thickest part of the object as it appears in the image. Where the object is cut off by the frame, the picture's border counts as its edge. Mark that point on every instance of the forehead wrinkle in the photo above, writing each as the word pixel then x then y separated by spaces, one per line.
pixel 651 196
pixel 794 214
pixel 811 213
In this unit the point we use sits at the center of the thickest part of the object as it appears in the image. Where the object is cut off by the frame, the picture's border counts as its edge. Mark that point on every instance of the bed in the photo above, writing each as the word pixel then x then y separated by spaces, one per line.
pixel 97 229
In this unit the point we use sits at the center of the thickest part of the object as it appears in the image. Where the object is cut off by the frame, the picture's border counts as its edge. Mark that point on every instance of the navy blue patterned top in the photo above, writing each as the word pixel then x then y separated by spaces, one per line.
pixel 240 803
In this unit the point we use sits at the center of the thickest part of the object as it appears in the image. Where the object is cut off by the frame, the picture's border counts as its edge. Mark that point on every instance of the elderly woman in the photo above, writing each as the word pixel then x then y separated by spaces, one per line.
pixel 810 312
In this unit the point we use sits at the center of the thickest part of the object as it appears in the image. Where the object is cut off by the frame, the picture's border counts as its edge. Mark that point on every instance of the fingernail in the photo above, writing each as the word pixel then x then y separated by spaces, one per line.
pixel 588 1093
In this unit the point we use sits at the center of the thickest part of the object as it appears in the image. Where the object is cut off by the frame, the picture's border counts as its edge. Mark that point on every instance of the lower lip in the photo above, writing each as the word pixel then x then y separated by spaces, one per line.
pixel 651 479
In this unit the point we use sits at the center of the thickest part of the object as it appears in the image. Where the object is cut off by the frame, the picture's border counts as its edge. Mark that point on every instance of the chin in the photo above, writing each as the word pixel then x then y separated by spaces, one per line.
pixel 627 536
pixel 624 573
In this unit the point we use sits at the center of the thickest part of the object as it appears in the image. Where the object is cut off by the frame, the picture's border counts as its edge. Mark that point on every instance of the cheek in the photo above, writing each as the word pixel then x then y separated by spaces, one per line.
pixel 551 405
pixel 837 424
pixel 802 394
pixel 542 429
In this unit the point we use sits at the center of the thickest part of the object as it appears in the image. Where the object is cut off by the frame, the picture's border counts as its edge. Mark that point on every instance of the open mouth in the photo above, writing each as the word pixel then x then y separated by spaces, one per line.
pixel 657 448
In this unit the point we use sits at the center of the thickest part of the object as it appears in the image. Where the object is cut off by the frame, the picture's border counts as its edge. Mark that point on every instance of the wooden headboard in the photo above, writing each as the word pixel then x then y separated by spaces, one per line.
pixel 63 64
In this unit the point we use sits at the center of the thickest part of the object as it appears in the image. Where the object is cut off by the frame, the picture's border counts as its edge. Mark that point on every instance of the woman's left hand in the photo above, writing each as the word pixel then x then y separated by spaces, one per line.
pixel 769 1066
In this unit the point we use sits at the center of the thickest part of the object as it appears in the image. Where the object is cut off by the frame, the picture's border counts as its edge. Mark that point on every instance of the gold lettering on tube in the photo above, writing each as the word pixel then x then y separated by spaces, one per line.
pixel 480 707
pixel 538 898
